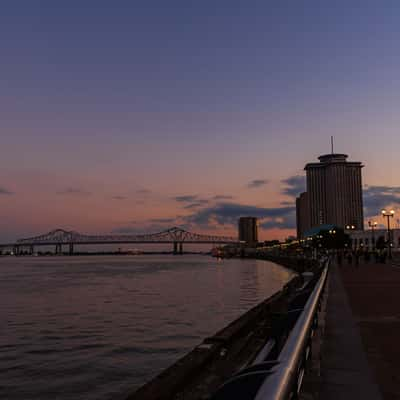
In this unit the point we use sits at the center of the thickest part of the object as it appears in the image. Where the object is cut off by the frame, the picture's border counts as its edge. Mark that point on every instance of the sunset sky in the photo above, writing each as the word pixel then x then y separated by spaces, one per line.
pixel 135 116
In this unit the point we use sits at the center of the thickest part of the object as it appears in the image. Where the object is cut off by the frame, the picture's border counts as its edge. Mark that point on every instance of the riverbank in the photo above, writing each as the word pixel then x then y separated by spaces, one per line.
pixel 198 374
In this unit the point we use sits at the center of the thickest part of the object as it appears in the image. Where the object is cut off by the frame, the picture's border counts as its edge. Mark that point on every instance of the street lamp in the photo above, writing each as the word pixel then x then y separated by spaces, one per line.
pixel 388 215
pixel 350 228
pixel 372 225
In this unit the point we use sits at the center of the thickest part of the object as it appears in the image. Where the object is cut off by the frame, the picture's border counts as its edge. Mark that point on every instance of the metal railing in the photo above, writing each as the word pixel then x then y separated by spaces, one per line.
pixel 287 376
pixel 280 379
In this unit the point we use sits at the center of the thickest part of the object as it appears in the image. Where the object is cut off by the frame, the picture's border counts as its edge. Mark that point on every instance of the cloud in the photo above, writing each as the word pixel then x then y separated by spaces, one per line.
pixel 376 198
pixel 74 191
pixel 193 201
pixel 222 197
pixel 142 228
pixel 129 230
pixel 256 183
pixel 162 220
pixel 5 192
pixel 295 185
pixel 196 204
pixel 186 199
pixel 119 197
pixel 143 191
pixel 229 213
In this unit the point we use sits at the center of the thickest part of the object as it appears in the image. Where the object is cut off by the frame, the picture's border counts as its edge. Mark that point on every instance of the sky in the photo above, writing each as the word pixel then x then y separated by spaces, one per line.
pixel 135 116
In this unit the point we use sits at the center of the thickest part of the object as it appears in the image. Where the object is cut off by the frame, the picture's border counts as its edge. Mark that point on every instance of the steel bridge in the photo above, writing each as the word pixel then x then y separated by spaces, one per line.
pixel 61 237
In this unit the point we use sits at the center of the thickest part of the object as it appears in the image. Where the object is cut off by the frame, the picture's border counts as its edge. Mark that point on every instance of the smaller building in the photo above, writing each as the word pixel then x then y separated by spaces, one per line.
pixel 302 215
pixel 368 239
pixel 248 231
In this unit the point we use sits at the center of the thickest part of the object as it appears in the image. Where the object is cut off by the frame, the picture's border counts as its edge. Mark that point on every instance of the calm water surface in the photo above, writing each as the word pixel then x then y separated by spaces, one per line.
pixel 99 327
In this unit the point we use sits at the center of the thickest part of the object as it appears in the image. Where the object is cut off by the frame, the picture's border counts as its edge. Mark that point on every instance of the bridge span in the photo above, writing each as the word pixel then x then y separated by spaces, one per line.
pixel 60 237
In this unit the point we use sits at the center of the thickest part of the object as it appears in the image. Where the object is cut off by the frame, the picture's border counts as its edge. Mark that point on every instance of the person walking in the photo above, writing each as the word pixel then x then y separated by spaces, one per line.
pixel 349 258
pixel 339 258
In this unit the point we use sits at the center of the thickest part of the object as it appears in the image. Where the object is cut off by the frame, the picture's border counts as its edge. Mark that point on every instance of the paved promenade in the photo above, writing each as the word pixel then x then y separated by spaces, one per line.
pixel 345 371
pixel 373 292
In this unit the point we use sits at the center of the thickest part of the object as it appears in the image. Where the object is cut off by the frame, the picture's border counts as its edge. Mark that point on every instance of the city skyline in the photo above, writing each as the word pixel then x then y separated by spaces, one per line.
pixel 141 117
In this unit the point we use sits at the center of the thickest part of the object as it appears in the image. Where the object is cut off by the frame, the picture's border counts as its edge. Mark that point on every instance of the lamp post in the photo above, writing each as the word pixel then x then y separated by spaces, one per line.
pixel 388 215
pixel 373 225
pixel 351 228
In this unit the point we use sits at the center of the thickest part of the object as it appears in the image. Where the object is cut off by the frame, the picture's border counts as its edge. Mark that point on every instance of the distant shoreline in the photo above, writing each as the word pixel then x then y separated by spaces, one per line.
pixel 107 253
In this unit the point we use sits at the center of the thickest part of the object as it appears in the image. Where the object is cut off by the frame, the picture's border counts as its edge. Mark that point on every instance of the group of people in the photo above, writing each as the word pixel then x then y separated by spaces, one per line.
pixel 354 257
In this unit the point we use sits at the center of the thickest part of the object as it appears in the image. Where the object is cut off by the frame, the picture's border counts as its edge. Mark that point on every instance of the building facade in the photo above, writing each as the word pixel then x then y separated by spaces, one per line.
pixel 248 230
pixel 367 239
pixel 303 214
pixel 334 191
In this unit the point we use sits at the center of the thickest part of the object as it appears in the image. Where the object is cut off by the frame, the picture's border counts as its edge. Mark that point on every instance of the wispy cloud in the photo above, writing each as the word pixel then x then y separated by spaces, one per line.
pixel 119 197
pixel 5 192
pixel 222 197
pixel 295 185
pixel 378 197
pixel 256 183
pixel 196 204
pixel 191 201
pixel 74 192
pixel 186 198
pixel 229 213
pixel 143 191
pixel 162 220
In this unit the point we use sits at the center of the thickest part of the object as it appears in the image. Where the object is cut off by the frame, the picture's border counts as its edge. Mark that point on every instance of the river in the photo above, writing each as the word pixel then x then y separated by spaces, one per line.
pixel 97 327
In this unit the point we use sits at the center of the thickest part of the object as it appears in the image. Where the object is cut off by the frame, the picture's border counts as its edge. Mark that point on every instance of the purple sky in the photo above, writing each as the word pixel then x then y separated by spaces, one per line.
pixel 132 116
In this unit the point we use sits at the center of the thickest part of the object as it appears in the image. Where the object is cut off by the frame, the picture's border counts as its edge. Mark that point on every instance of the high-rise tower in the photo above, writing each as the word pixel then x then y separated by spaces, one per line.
pixel 334 192
pixel 248 230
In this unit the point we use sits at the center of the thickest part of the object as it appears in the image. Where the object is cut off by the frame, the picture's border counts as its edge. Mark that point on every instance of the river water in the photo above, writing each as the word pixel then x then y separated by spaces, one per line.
pixel 98 327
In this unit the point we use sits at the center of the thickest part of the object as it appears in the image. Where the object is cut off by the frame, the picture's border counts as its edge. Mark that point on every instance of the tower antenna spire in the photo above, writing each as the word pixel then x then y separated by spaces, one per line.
pixel 332 144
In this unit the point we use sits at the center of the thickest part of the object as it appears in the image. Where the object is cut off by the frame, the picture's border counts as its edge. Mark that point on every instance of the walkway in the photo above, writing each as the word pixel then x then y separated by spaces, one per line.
pixel 345 373
pixel 374 295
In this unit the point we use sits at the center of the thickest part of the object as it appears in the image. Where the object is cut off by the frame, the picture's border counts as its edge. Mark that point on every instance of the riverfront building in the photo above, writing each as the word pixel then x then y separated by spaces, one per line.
pixel 367 239
pixel 303 214
pixel 334 194
pixel 248 230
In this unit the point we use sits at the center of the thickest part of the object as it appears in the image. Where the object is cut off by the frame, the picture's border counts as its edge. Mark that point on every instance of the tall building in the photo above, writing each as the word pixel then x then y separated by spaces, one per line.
pixel 248 230
pixel 334 191
pixel 303 214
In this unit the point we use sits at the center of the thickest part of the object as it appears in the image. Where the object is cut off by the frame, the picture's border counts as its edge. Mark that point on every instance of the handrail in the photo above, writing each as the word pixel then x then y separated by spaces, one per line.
pixel 286 376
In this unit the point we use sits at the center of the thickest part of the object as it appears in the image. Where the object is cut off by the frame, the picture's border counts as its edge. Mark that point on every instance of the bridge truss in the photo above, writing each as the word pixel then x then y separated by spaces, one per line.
pixel 172 235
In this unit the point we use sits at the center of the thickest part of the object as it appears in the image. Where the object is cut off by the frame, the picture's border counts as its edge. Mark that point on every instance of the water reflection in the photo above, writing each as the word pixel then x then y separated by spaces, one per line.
pixel 96 327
